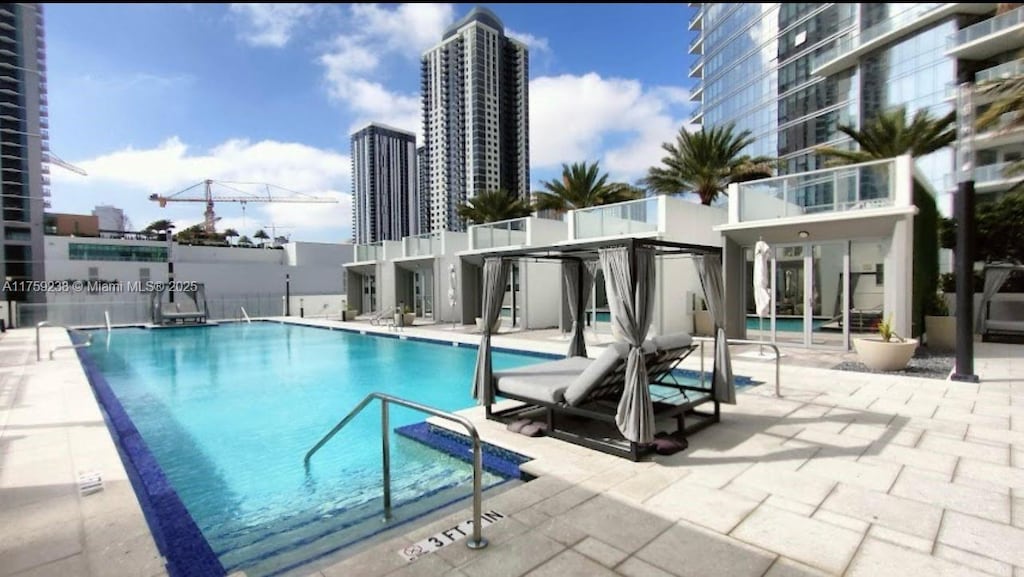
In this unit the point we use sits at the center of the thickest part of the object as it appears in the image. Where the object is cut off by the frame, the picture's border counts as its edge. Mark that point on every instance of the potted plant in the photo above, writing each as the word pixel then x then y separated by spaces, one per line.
pixel 890 352
pixel 939 326
pixel 409 317
pixel 703 323
pixel 349 314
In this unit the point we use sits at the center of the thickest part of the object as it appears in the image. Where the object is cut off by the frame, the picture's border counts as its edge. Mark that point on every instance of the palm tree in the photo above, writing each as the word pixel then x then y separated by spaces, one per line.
pixel 230 233
pixel 1005 113
pixel 492 206
pixel 262 236
pixel 244 241
pixel 706 162
pixel 889 135
pixel 582 185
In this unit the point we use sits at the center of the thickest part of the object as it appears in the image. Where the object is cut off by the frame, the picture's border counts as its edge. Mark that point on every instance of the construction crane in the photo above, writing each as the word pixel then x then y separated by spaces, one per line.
pixel 54 159
pixel 203 192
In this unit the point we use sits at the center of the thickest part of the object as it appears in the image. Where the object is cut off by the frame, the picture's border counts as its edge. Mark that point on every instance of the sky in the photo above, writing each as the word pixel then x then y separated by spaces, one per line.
pixel 154 98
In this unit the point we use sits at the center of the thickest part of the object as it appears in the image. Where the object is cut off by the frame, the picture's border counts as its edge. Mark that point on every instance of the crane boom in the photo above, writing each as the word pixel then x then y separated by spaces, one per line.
pixel 193 194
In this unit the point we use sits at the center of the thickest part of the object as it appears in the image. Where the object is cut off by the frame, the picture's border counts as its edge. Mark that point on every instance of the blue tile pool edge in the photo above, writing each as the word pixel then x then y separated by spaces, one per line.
pixel 494 459
pixel 183 546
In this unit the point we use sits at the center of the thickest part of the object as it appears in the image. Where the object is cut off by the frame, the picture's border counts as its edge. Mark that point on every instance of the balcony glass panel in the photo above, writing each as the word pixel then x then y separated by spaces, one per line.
pixel 832 190
pixel 502 233
pixel 894 22
pixel 422 245
pixel 365 252
pixel 1001 72
pixel 992 173
pixel 631 217
pixel 990 26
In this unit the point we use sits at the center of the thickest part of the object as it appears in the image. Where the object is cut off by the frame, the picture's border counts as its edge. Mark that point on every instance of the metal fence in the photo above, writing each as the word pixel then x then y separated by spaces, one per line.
pixel 134 309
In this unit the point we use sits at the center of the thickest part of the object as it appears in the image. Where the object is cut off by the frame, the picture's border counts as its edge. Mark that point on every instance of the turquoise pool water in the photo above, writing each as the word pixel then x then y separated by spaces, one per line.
pixel 229 411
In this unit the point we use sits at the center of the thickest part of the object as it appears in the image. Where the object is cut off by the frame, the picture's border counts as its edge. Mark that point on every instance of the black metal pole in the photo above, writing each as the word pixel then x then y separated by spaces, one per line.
pixel 287 295
pixel 963 213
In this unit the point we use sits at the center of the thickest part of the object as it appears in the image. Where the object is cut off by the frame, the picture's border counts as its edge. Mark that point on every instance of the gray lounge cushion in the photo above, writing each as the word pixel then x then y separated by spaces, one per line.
pixel 672 341
pixel 588 379
pixel 542 382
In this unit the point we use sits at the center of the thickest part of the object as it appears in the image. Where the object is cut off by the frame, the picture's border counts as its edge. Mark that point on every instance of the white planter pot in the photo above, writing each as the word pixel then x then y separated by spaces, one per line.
pixel 348 315
pixel 410 318
pixel 885 356
pixel 703 324
pixel 941 333
pixel 399 320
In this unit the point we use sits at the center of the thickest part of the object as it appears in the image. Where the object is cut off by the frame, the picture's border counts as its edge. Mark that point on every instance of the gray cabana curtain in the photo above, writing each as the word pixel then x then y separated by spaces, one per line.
pixel 994 279
pixel 710 270
pixel 495 280
pixel 578 282
pixel 632 303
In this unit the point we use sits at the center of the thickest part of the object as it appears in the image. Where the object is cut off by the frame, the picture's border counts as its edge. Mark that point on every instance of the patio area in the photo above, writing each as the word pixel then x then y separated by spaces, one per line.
pixel 846 474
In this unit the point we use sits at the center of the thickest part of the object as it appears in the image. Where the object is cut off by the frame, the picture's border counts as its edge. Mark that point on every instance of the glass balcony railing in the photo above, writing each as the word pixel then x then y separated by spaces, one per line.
pixel 988 27
pixel 365 252
pixel 992 173
pixel 851 42
pixel 630 217
pixel 1001 72
pixel 863 186
pixel 502 233
pixel 427 244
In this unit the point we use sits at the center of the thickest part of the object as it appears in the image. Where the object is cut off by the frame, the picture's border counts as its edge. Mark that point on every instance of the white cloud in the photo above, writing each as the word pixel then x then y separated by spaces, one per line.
pixel 127 177
pixel 270 24
pixel 572 118
pixel 534 43
pixel 409 29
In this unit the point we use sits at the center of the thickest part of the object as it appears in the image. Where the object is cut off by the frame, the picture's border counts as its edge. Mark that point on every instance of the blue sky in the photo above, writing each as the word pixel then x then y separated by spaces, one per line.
pixel 154 98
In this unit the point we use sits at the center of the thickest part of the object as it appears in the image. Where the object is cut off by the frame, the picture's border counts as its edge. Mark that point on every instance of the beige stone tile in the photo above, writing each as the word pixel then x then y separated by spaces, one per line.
pixel 901 538
pixel 998 436
pixel 514 558
pixel 926 489
pixel 878 476
pixel 790 505
pixel 717 510
pixel 600 551
pixel 570 564
pixel 566 500
pixel 987 475
pixel 687 550
pixel 975 561
pixel 426 566
pixel 1018 510
pixel 379 560
pixel 815 543
pixel 499 535
pixel 800 487
pixel 639 487
pixel 921 410
pixel 74 566
pixel 514 500
pixel 937 426
pixel 122 557
pixel 905 515
pixel 980 450
pixel 634 567
pixel 615 522
pixel 839 520
pixel 877 558
pixel 562 532
pixel 531 517
pixel 788 568
pixel 715 474
pixel 982 537
pixel 39 533
pixel 965 416
pixel 834 444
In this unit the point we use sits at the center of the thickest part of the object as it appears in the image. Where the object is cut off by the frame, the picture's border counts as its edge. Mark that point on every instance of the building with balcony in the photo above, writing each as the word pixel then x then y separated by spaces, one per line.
pixel 111 219
pixel 385 193
pixel 24 144
pixel 475 89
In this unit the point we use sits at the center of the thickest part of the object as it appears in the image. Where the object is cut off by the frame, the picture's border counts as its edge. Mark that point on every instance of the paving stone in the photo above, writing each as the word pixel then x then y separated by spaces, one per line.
pixel 1018 510
pixel 562 532
pixel 980 450
pixel 634 567
pixel 600 551
pixel 374 562
pixel 907 456
pixel 39 533
pixel 893 512
pixel 878 476
pixel 789 505
pixel 619 524
pixel 843 521
pixel 639 487
pixel 566 500
pixel 570 564
pixel 962 416
pixel 877 558
pixel 498 535
pixel 714 475
pixel 688 551
pixel 994 540
pixel 998 436
pixel 508 559
pixel 711 508
pixel 74 566
pixel 971 560
pixel 788 568
pixel 901 538
pixel 815 543
pixel 999 477
pixel 799 487
pixel 927 489
pixel 426 566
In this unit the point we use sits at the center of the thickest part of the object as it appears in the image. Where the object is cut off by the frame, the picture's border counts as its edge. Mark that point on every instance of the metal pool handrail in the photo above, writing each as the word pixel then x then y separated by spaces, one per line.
pixel 246 315
pixel 41 324
pixel 773 346
pixel 477 541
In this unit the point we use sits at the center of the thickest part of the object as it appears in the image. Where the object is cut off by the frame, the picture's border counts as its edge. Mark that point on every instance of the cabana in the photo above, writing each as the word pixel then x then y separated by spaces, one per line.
pixel 996 276
pixel 194 310
pixel 629 267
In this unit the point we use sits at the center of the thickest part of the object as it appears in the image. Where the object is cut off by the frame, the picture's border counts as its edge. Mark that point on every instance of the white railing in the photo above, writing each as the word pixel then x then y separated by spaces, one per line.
pixel 861 186
pixel 1001 72
pixel 422 245
pixel 512 232
pixel 630 217
pixel 369 252
pixel 988 27
pixel 852 42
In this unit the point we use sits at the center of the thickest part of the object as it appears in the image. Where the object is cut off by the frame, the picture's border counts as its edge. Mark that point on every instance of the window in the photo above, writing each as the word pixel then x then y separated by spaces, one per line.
pixel 94 273
pixel 117 252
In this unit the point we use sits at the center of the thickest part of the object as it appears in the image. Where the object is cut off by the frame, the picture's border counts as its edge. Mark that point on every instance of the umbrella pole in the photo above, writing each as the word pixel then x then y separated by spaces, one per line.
pixel 760 335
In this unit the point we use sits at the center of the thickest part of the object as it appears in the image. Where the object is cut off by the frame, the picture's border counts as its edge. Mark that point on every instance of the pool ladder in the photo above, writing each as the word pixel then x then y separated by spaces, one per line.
pixel 41 324
pixel 477 541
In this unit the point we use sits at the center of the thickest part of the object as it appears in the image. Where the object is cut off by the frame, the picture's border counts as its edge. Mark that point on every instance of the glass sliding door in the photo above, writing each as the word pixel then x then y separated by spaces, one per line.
pixel 423 293
pixel 826 308
pixel 787 322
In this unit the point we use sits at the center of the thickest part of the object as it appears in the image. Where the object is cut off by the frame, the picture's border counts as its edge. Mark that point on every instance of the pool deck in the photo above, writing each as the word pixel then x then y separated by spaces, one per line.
pixel 847 474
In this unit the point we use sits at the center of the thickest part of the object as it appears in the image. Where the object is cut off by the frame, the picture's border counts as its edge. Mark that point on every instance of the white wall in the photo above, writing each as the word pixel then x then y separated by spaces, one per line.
pixel 318 253
pixel 217 254
pixel 540 284
pixel 545 231
pixel 693 223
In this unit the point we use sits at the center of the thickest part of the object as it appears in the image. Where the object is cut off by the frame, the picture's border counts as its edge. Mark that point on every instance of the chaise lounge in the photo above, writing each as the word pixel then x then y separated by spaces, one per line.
pixel 591 389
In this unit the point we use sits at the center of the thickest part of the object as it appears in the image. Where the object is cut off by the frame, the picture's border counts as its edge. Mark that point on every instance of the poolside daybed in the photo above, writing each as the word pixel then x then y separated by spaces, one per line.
pixel 995 276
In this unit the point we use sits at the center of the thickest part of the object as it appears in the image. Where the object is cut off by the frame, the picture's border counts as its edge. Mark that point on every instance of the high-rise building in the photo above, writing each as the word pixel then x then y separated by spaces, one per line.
pixel 110 218
pixel 385 200
pixel 24 146
pixel 422 189
pixel 475 87
pixel 791 73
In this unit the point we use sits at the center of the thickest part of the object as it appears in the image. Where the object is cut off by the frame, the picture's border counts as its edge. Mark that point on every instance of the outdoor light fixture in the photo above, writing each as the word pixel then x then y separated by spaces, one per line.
pixel 803 234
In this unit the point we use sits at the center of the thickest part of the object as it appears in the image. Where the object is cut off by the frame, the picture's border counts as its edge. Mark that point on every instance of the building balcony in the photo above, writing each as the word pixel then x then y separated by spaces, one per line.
pixel 850 48
pixel 872 185
pixel 988 179
pixel 696 44
pixel 697 21
pixel 511 232
pixel 989 37
pixel 634 217
pixel 697 70
pixel 369 252
pixel 698 92
pixel 698 117
pixel 1001 72
pixel 428 244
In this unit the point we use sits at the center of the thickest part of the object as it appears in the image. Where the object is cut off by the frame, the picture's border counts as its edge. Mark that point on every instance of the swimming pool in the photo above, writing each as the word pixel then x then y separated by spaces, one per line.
pixel 229 411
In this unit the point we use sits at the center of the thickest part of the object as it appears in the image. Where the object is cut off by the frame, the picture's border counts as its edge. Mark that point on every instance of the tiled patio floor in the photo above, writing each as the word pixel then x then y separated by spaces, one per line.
pixel 847 474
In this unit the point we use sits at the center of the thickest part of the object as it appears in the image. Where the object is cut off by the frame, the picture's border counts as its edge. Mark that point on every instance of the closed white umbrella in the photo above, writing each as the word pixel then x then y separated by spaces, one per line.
pixel 762 283
pixel 452 281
